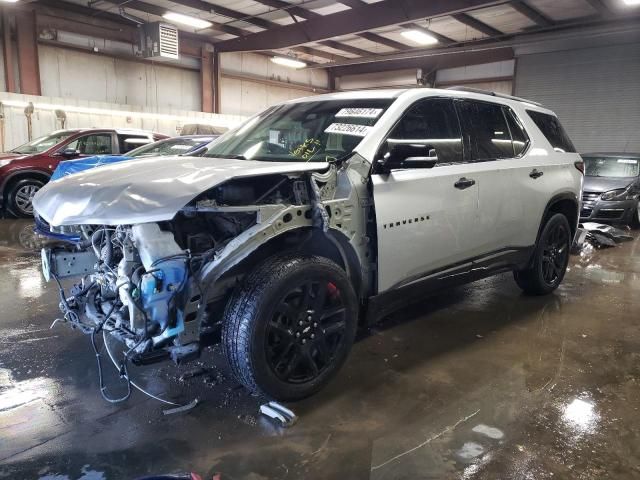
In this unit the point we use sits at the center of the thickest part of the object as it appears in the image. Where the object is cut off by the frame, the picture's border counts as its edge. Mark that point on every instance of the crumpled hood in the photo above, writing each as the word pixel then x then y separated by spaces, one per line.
pixel 604 184
pixel 147 190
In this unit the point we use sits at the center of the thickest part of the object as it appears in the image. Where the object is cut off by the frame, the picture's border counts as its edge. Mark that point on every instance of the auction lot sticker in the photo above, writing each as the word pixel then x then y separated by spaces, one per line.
pixel 359 112
pixel 348 129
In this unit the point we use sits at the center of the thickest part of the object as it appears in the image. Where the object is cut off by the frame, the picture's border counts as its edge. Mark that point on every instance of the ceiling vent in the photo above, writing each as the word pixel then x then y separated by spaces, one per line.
pixel 160 41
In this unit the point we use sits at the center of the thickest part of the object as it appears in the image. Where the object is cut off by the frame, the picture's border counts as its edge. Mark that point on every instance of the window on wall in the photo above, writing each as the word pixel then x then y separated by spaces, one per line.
pixel 551 128
pixel 97 144
pixel 432 122
pixel 518 134
pixel 485 130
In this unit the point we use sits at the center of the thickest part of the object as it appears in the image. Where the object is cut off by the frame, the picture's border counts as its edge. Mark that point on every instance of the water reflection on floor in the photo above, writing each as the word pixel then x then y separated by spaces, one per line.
pixel 478 383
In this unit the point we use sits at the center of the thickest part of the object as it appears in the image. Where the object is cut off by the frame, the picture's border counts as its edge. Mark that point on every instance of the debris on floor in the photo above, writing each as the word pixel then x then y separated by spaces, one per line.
pixel 599 236
pixel 278 412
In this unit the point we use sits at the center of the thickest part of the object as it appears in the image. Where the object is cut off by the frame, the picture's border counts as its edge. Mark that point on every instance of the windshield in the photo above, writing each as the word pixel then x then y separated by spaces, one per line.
pixel 610 167
pixel 320 131
pixel 42 144
pixel 172 146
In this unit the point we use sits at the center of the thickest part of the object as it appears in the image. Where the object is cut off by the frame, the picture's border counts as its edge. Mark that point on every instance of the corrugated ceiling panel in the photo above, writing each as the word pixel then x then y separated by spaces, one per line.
pixel 503 18
pixel 564 10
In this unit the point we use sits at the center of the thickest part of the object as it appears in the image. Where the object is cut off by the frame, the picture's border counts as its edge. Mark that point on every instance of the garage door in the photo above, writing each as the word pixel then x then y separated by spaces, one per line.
pixel 595 92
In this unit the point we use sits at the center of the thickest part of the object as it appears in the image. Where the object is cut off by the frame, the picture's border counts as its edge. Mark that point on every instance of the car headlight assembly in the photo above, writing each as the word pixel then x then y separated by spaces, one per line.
pixel 628 193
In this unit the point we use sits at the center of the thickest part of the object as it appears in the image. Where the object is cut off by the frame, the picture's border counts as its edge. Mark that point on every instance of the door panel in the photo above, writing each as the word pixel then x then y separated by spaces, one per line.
pixel 424 222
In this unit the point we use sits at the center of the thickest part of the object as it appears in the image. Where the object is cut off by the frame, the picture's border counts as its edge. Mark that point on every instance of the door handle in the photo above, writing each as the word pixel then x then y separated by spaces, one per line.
pixel 535 173
pixel 464 183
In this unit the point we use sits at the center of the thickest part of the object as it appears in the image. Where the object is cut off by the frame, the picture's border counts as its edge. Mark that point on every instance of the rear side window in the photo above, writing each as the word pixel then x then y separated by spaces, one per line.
pixel 94 144
pixel 551 128
pixel 129 142
pixel 518 133
pixel 486 131
pixel 432 122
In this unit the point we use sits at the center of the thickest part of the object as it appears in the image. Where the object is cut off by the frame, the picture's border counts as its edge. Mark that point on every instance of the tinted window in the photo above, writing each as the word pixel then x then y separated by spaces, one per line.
pixel 432 122
pixel 129 142
pixel 486 131
pixel 98 144
pixel 551 128
pixel 518 134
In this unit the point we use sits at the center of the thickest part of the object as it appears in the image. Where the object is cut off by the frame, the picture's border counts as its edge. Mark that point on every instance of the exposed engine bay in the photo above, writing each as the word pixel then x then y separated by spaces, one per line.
pixel 138 279
pixel 158 287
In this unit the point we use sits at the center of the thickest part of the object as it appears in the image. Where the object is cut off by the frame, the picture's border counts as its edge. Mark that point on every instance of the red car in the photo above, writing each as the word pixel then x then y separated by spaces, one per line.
pixel 24 170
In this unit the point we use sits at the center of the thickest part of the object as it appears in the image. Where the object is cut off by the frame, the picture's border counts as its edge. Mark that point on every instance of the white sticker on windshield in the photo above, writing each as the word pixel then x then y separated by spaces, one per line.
pixel 348 129
pixel 359 112
pixel 627 160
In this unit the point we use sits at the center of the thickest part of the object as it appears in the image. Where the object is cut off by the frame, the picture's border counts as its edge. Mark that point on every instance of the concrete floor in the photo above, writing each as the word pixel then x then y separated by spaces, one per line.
pixel 482 382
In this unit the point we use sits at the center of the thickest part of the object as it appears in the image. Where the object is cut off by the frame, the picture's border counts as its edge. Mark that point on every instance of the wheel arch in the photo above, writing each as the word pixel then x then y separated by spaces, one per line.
pixel 565 203
pixel 12 179
pixel 333 245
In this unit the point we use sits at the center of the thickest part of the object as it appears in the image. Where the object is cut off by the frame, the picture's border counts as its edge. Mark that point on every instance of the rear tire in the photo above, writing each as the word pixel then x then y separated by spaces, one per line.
pixel 289 326
pixel 550 259
pixel 20 197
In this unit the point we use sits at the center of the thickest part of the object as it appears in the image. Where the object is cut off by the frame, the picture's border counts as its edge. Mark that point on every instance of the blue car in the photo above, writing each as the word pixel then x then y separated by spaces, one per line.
pixel 184 145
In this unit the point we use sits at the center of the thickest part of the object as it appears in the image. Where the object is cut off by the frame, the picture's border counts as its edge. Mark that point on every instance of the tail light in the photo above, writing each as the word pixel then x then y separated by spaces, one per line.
pixel 580 166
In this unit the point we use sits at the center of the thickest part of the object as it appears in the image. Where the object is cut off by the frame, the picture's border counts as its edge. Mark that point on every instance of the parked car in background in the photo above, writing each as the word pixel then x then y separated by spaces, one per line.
pixel 183 145
pixel 308 215
pixel 611 188
pixel 24 170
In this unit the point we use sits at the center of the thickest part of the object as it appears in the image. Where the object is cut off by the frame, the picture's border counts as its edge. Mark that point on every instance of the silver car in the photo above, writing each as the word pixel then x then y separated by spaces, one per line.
pixel 312 217
pixel 611 188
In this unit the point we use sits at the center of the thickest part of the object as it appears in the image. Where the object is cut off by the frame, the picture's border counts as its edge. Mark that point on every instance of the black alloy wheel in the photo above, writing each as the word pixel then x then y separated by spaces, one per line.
pixel 305 333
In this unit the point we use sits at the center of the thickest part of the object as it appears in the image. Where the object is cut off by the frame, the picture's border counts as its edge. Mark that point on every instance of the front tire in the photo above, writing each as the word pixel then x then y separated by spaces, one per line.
pixel 289 327
pixel 550 259
pixel 20 197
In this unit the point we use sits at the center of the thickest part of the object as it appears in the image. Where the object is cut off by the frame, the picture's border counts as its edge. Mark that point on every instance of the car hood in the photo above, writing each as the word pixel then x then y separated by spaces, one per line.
pixel 604 184
pixel 13 156
pixel 147 190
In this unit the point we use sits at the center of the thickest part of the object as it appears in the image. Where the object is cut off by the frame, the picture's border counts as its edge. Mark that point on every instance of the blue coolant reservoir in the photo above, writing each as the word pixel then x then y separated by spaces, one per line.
pixel 166 266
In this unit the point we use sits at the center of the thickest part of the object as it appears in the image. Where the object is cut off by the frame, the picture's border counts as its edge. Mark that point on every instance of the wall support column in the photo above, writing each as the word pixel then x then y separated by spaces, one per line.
pixel 207 81
pixel 7 50
pixel 28 60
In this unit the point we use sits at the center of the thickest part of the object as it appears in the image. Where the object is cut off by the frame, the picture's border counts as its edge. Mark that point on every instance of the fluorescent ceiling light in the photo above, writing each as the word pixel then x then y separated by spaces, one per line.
pixel 9 1
pixel 187 20
pixel 419 37
pixel 633 3
pixel 288 62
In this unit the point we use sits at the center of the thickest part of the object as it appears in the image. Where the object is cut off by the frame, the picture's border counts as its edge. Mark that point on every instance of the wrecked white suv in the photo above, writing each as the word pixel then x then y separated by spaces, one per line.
pixel 313 217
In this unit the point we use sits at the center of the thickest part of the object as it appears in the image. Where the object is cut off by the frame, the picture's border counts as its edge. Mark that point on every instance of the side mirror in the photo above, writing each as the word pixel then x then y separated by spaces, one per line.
pixel 409 155
pixel 69 153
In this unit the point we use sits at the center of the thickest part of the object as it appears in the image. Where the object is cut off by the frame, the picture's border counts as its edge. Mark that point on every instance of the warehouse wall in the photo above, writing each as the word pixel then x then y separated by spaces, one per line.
pixel 85 113
pixel 595 92
pixel 73 74
pixel 250 94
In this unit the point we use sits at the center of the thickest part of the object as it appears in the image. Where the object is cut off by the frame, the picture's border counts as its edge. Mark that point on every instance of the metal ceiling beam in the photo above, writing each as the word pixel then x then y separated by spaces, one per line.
pixel 293 10
pixel 441 38
pixel 356 20
pixel 372 37
pixel 531 13
pixel 221 27
pixel 309 14
pixel 476 24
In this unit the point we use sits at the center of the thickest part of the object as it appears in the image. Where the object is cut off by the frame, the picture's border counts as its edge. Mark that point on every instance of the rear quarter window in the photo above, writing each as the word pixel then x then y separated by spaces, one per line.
pixel 551 128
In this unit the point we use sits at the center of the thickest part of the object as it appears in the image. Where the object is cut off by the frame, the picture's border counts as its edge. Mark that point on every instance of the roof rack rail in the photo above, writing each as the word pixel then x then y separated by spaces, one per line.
pixel 494 94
